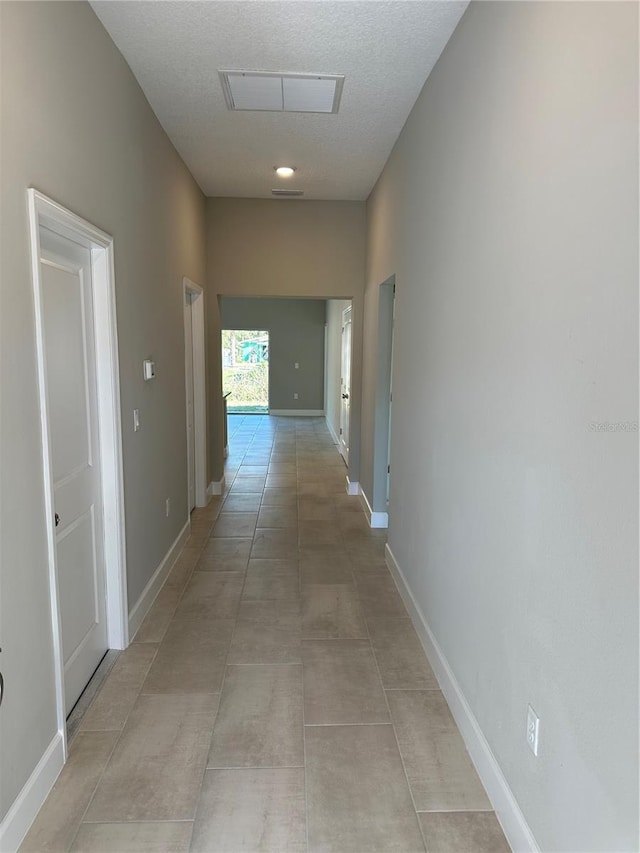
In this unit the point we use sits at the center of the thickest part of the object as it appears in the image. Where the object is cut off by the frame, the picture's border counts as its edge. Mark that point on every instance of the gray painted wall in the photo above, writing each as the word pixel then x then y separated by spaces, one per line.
pixel 335 307
pixel 296 334
pixel 508 211
pixel 76 126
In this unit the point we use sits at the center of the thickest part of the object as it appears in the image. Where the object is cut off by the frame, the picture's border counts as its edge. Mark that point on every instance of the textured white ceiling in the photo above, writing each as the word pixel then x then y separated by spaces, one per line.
pixel 386 51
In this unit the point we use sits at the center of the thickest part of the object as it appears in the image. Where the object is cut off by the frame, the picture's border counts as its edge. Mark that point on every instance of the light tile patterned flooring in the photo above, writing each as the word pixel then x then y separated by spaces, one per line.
pixel 276 697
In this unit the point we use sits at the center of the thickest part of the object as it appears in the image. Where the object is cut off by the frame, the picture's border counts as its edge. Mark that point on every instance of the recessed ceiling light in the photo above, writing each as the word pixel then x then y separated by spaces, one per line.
pixel 284 171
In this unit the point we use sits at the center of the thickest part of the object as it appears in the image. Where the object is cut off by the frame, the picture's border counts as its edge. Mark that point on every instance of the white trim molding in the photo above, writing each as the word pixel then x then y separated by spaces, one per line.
pixel 376 519
pixel 353 488
pixel 297 413
pixel 151 590
pixel 505 805
pixel 216 487
pixel 29 801
pixel 46 213
pixel 199 387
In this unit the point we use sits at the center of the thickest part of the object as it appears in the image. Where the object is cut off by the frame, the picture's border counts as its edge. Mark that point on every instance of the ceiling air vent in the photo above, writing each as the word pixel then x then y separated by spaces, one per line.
pixel 275 91
pixel 286 193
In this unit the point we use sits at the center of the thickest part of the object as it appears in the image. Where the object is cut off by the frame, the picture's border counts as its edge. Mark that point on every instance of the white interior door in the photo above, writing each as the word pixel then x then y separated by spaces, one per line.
pixel 345 383
pixel 70 357
pixel 191 438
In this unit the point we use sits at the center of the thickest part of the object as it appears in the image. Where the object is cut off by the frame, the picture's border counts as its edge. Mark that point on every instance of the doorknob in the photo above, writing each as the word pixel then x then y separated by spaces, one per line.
pixel 57 518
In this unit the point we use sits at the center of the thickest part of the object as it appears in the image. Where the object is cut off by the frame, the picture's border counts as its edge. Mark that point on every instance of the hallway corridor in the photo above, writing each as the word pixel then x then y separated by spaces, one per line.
pixel 276 697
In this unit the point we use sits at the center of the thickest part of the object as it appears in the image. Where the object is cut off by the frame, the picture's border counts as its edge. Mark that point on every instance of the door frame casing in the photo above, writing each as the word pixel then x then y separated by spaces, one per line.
pixel 199 390
pixel 382 425
pixel 44 212
pixel 347 317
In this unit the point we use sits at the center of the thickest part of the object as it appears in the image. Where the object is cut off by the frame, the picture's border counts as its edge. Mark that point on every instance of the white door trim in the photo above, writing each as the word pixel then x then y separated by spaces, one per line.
pixel 199 388
pixel 345 439
pixel 45 212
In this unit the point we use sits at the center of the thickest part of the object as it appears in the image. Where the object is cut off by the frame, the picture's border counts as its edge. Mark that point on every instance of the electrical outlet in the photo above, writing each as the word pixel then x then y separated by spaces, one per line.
pixel 296 365
pixel 533 730
pixel 295 396
pixel 167 507
pixel 136 420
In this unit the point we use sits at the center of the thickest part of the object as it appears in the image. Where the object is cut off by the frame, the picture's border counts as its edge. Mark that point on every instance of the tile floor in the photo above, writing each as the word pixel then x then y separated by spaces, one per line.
pixel 276 697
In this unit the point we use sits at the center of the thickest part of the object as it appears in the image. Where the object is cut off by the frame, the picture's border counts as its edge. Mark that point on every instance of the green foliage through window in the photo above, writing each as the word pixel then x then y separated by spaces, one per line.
pixel 245 370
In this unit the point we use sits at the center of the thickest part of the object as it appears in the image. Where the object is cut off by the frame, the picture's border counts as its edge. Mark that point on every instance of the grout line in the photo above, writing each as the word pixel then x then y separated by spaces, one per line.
pixel 257 767
pixel 342 725
pixel 395 735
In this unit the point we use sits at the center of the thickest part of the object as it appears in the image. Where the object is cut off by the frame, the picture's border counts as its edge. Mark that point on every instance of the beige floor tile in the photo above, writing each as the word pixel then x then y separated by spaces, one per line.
pixel 197 538
pixel 282 468
pixel 259 723
pixel 267 632
pixel 247 484
pixel 341 683
pixel 148 837
pixel 157 620
pixel 243 502
pixel 225 555
pixel 281 481
pixel 278 516
pixel 272 580
pixel 352 523
pixel 182 569
pixel 191 657
pixel 211 594
pixel 252 471
pixel 156 768
pixel 275 543
pixel 251 810
pixel 235 525
pixel 319 533
pixel 60 816
pixel 332 611
pixel 455 832
pixel 379 595
pixel 365 551
pixel 113 704
pixel 401 658
pixel 347 503
pixel 316 511
pixel 440 772
pixel 357 794
pixel 370 567
pixel 279 497
pixel 325 568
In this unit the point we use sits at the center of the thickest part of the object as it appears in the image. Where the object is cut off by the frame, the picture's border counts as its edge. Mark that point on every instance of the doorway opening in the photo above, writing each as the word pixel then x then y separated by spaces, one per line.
pixel 78 379
pixel 245 370
pixel 382 468
pixel 194 349
pixel 345 384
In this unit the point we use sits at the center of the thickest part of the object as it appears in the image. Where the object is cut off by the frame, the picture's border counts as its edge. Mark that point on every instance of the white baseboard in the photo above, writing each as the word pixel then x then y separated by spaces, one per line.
pixel 143 604
pixel 332 432
pixel 353 488
pixel 502 799
pixel 297 413
pixel 216 487
pixel 27 804
pixel 375 519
